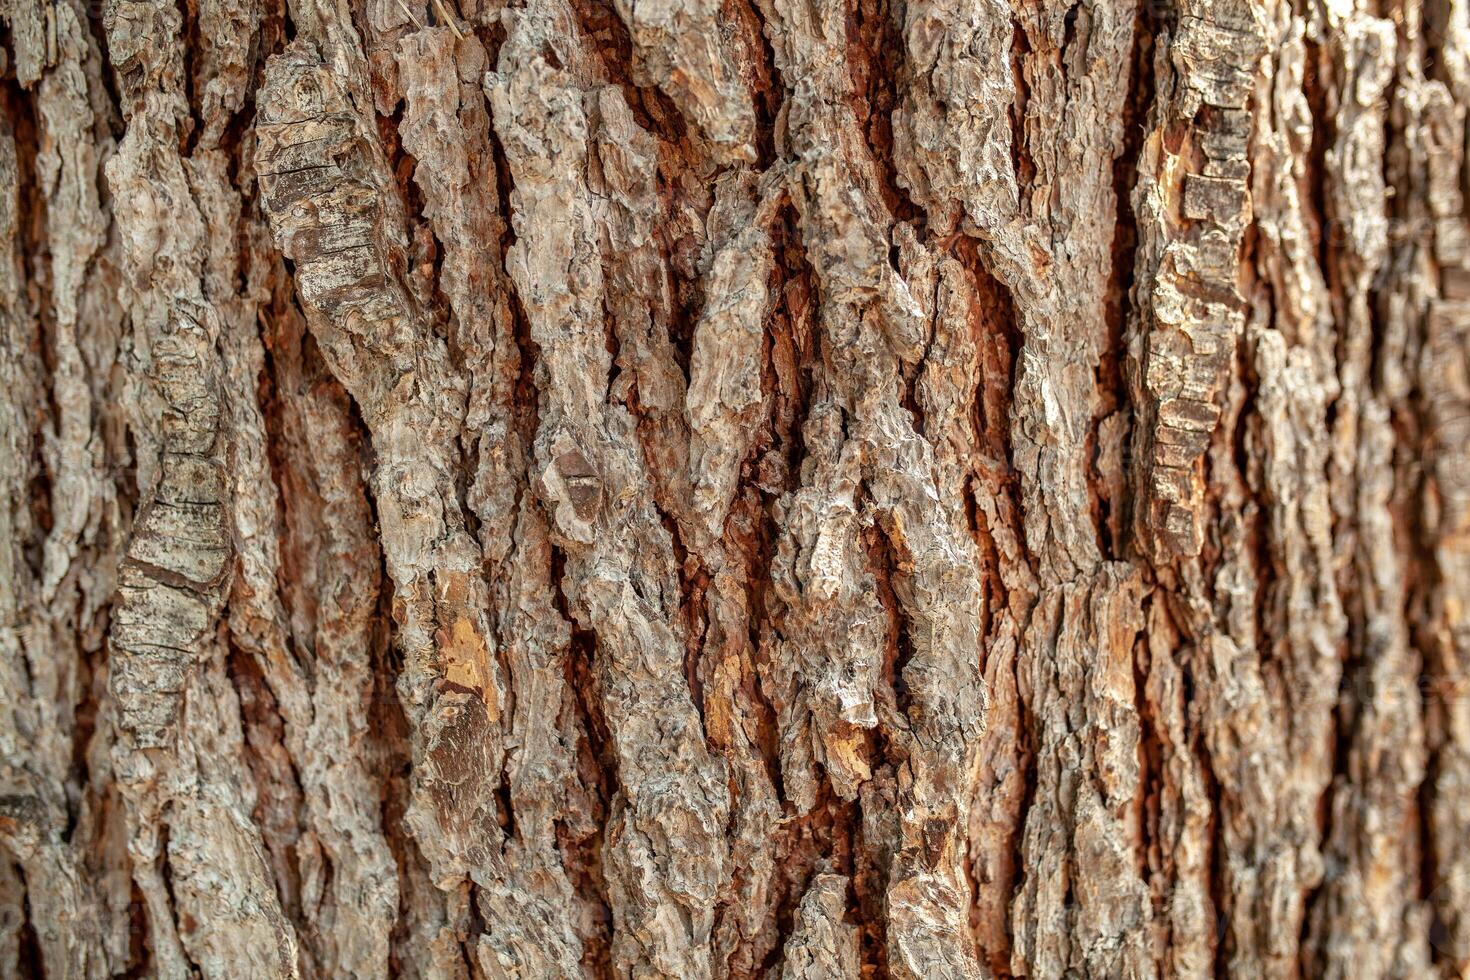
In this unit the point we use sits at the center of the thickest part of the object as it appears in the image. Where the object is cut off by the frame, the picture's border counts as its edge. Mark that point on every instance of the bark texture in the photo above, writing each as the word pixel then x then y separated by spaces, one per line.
pixel 734 488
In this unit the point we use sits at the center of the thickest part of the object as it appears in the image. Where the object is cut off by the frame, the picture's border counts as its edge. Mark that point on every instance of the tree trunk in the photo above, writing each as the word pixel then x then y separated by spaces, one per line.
pixel 767 488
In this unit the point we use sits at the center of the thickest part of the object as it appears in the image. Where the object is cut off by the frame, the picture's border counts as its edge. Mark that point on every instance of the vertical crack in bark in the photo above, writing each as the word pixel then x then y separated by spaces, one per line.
pixel 590 475
pixel 329 612
pixel 334 211
pixel 54 562
pixel 858 434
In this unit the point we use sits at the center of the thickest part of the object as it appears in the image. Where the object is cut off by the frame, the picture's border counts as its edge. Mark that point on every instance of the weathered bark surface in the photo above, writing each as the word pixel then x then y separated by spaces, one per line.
pixel 760 488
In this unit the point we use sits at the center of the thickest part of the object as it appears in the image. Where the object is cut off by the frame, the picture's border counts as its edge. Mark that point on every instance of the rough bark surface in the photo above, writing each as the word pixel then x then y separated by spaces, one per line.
pixel 734 488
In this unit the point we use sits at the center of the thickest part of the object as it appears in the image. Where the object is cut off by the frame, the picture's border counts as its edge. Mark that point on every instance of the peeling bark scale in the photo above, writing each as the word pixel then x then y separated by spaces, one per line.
pixel 734 489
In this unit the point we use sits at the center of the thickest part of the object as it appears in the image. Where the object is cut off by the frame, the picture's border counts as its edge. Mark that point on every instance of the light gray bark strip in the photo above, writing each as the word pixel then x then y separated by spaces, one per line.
pixel 665 852
pixel 178 753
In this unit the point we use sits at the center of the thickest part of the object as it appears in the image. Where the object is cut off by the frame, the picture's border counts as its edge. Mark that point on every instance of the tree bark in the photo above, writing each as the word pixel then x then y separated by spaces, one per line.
pixel 758 488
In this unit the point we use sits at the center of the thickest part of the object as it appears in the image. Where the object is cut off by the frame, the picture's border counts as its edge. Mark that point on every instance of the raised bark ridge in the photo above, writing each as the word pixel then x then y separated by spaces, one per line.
pixel 1202 208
